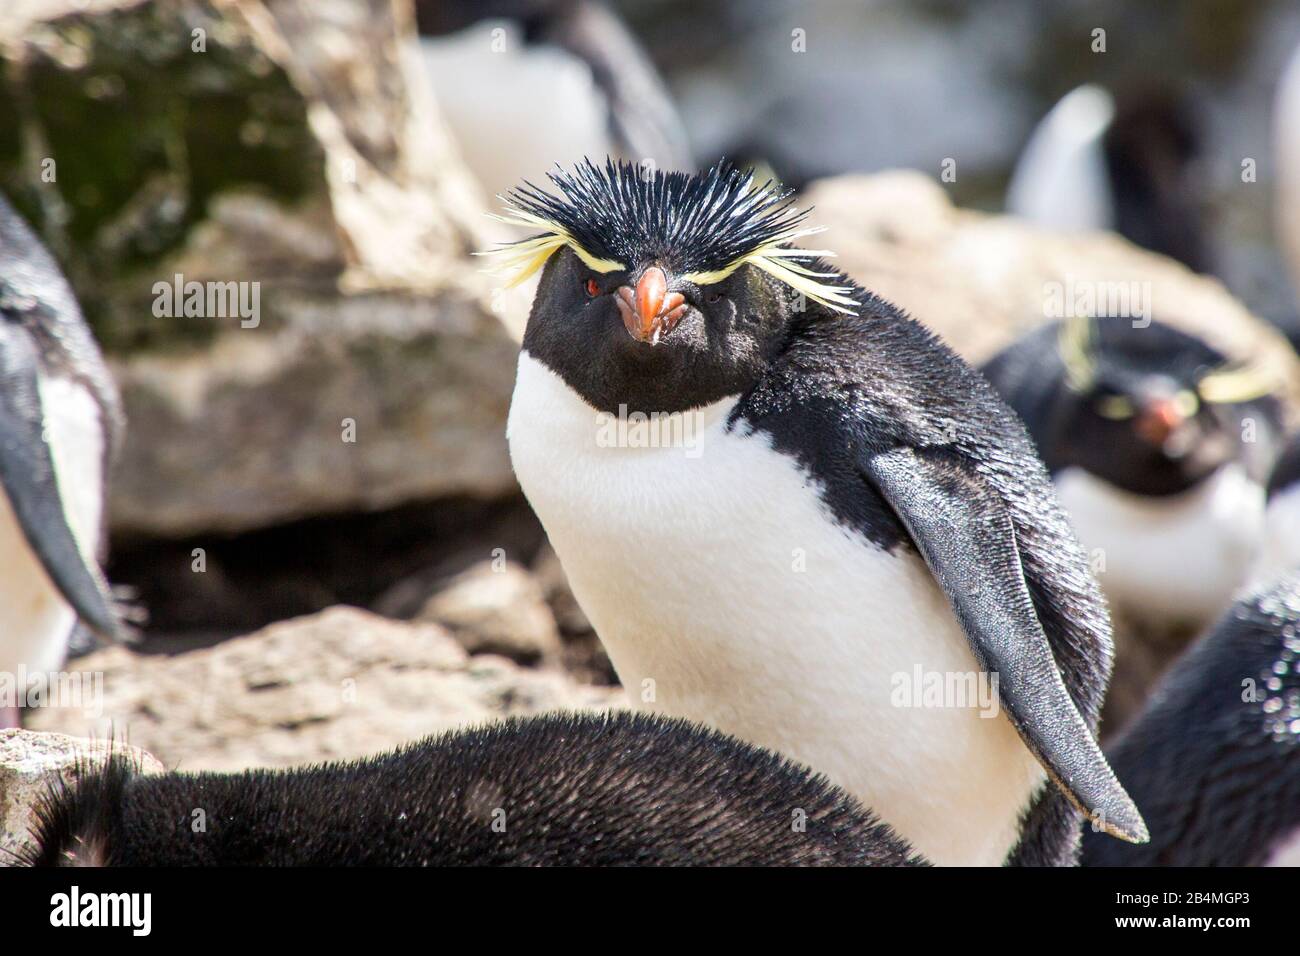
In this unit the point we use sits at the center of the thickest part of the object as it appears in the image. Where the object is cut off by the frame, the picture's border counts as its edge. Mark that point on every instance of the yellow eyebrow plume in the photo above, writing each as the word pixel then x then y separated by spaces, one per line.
pixel 1235 384
pixel 769 256
pixel 522 258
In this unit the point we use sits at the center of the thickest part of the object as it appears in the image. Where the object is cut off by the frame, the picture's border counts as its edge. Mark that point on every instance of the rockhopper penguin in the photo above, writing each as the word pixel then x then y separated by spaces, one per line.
pixel 560 790
pixel 827 508
pixel 60 422
pixel 1214 760
pixel 1160 448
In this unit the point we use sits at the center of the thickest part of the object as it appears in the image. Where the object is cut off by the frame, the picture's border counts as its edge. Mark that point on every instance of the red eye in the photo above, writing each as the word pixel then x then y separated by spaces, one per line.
pixel 593 288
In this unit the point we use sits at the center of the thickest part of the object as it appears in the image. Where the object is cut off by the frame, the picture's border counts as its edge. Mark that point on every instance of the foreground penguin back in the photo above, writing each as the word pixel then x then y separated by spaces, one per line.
pixel 569 790
pixel 1214 760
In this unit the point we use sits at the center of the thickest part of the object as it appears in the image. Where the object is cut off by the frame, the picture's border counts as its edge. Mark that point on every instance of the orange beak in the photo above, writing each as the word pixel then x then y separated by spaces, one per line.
pixel 1158 421
pixel 651 312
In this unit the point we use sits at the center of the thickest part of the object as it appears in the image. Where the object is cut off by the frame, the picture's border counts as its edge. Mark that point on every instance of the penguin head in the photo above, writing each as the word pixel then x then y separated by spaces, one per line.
pixel 1150 409
pixel 662 292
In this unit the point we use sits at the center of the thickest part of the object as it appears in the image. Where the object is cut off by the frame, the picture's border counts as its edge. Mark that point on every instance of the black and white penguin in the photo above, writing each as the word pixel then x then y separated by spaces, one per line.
pixel 559 790
pixel 1214 760
pixel 1160 449
pixel 787 509
pixel 1131 166
pixel 524 84
pixel 60 422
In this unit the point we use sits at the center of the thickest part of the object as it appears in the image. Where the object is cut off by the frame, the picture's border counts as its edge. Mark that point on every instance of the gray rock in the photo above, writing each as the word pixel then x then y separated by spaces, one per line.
pixel 550 576
pixel 584 656
pixel 30 760
pixel 340 684
pixel 496 607
pixel 298 153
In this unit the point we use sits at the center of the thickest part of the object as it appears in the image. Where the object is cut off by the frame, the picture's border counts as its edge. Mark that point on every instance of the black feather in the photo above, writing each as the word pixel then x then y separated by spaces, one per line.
pixel 566 789
pixel 688 222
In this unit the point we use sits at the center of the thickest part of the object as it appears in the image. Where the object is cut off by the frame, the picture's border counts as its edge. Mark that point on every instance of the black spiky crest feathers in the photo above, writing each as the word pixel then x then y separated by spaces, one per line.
pixel 701 226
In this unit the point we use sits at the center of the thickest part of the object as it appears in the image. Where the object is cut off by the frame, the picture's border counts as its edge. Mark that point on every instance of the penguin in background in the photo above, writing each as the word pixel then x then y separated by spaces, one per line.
pixel 1214 759
pixel 1131 165
pixel 524 84
pixel 1160 448
pixel 60 426
pixel 558 790
pixel 785 506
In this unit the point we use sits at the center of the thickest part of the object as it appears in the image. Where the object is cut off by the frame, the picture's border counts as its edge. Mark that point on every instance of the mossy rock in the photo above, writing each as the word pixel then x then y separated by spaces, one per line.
pixel 119 126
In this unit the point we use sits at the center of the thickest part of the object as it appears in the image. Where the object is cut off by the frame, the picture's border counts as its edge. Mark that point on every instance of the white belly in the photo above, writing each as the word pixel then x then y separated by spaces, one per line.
pixel 35 621
pixel 725 592
pixel 1174 559
pixel 1280 552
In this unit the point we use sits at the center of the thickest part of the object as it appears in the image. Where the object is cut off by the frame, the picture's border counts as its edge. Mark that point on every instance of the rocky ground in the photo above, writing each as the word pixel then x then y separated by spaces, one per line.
pixel 335 685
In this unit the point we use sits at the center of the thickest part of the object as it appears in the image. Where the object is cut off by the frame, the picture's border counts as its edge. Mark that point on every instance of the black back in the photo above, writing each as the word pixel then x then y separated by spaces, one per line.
pixel 571 790
pixel 1213 762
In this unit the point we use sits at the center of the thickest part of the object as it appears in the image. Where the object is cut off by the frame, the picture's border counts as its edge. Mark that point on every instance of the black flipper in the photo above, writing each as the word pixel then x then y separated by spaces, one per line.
pixel 964 532
pixel 27 474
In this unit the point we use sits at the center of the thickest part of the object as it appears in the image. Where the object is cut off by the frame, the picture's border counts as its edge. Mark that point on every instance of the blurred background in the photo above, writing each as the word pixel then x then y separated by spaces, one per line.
pixel 904 84
pixel 345 445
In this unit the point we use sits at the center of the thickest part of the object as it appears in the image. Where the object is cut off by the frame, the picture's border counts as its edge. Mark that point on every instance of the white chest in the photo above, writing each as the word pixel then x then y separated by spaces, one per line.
pixel 35 621
pixel 1174 558
pixel 1280 551
pixel 725 592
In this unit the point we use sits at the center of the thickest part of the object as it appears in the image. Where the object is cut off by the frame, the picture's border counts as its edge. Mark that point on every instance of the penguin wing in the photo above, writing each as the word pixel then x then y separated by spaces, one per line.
pixel 965 534
pixel 28 477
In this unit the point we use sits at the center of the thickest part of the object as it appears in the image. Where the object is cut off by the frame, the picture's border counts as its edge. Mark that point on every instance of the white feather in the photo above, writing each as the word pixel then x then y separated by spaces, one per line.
pixel 1060 180
pixel 516 110
pixel 687 565
pixel 35 620
pixel 1280 551
pixel 1169 559
pixel 1287 852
